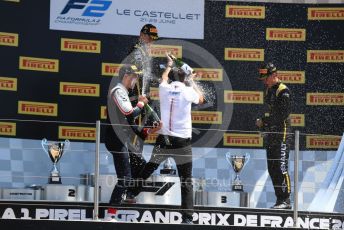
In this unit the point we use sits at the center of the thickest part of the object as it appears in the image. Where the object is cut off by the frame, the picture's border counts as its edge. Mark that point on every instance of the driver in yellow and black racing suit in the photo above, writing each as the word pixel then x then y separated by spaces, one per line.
pixel 276 126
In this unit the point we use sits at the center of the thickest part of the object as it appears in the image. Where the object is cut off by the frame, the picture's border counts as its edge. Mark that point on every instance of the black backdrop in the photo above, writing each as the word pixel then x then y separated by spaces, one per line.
pixel 30 20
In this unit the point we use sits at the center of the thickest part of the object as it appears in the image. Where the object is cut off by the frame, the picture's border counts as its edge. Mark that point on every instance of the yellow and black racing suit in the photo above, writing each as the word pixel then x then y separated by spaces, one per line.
pixel 277 140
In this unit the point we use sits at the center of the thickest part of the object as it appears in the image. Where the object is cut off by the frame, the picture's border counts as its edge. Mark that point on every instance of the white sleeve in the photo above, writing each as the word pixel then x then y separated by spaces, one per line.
pixel 191 95
pixel 122 101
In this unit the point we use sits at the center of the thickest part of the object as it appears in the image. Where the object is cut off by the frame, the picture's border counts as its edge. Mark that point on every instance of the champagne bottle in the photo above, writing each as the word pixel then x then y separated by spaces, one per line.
pixel 177 61
pixel 180 64
pixel 151 113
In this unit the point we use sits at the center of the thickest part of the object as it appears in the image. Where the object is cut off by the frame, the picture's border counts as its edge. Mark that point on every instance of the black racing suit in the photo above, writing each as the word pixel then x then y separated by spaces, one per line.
pixel 139 56
pixel 127 151
pixel 150 66
pixel 123 139
pixel 277 140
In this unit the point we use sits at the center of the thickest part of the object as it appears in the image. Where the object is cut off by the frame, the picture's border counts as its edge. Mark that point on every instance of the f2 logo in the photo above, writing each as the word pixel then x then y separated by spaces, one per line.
pixel 96 8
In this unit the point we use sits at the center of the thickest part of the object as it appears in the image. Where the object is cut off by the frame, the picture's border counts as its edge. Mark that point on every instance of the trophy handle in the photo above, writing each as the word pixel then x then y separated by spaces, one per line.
pixel 228 158
pixel 66 144
pixel 247 159
pixel 44 143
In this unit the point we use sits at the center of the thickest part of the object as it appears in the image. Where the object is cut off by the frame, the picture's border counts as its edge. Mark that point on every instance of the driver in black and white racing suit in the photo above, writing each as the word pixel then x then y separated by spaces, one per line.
pixel 121 135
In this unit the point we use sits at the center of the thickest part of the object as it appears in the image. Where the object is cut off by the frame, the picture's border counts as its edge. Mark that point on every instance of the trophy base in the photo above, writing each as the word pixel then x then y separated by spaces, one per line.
pixel 238 188
pixel 168 171
pixel 55 180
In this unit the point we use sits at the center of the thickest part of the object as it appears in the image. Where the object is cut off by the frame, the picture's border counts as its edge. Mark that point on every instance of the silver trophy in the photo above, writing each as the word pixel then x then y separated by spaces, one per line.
pixel 55 150
pixel 168 168
pixel 237 162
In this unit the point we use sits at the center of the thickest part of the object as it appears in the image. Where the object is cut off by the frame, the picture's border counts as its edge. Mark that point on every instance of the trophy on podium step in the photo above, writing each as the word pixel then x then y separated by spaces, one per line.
pixel 168 168
pixel 55 151
pixel 237 162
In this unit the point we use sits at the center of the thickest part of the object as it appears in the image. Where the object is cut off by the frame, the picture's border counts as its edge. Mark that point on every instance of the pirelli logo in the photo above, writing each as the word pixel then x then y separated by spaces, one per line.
pixel 323 142
pixel 37 108
pixel 7 83
pixel 8 128
pixel 320 13
pixel 77 45
pixel 8 39
pixel 325 99
pixel 151 138
pixel 103 112
pixel 154 93
pixel 292 77
pixel 325 55
pixel 285 34
pixel 297 120
pixel 38 64
pixel 110 69
pixel 160 50
pixel 243 97
pixel 242 140
pixel 241 54
pixel 79 89
pixel 208 74
pixel 77 133
pixel 206 117
pixel 256 12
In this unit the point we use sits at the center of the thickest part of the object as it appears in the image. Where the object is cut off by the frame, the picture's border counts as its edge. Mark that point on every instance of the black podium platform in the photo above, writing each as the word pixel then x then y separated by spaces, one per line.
pixel 88 225
pixel 32 214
